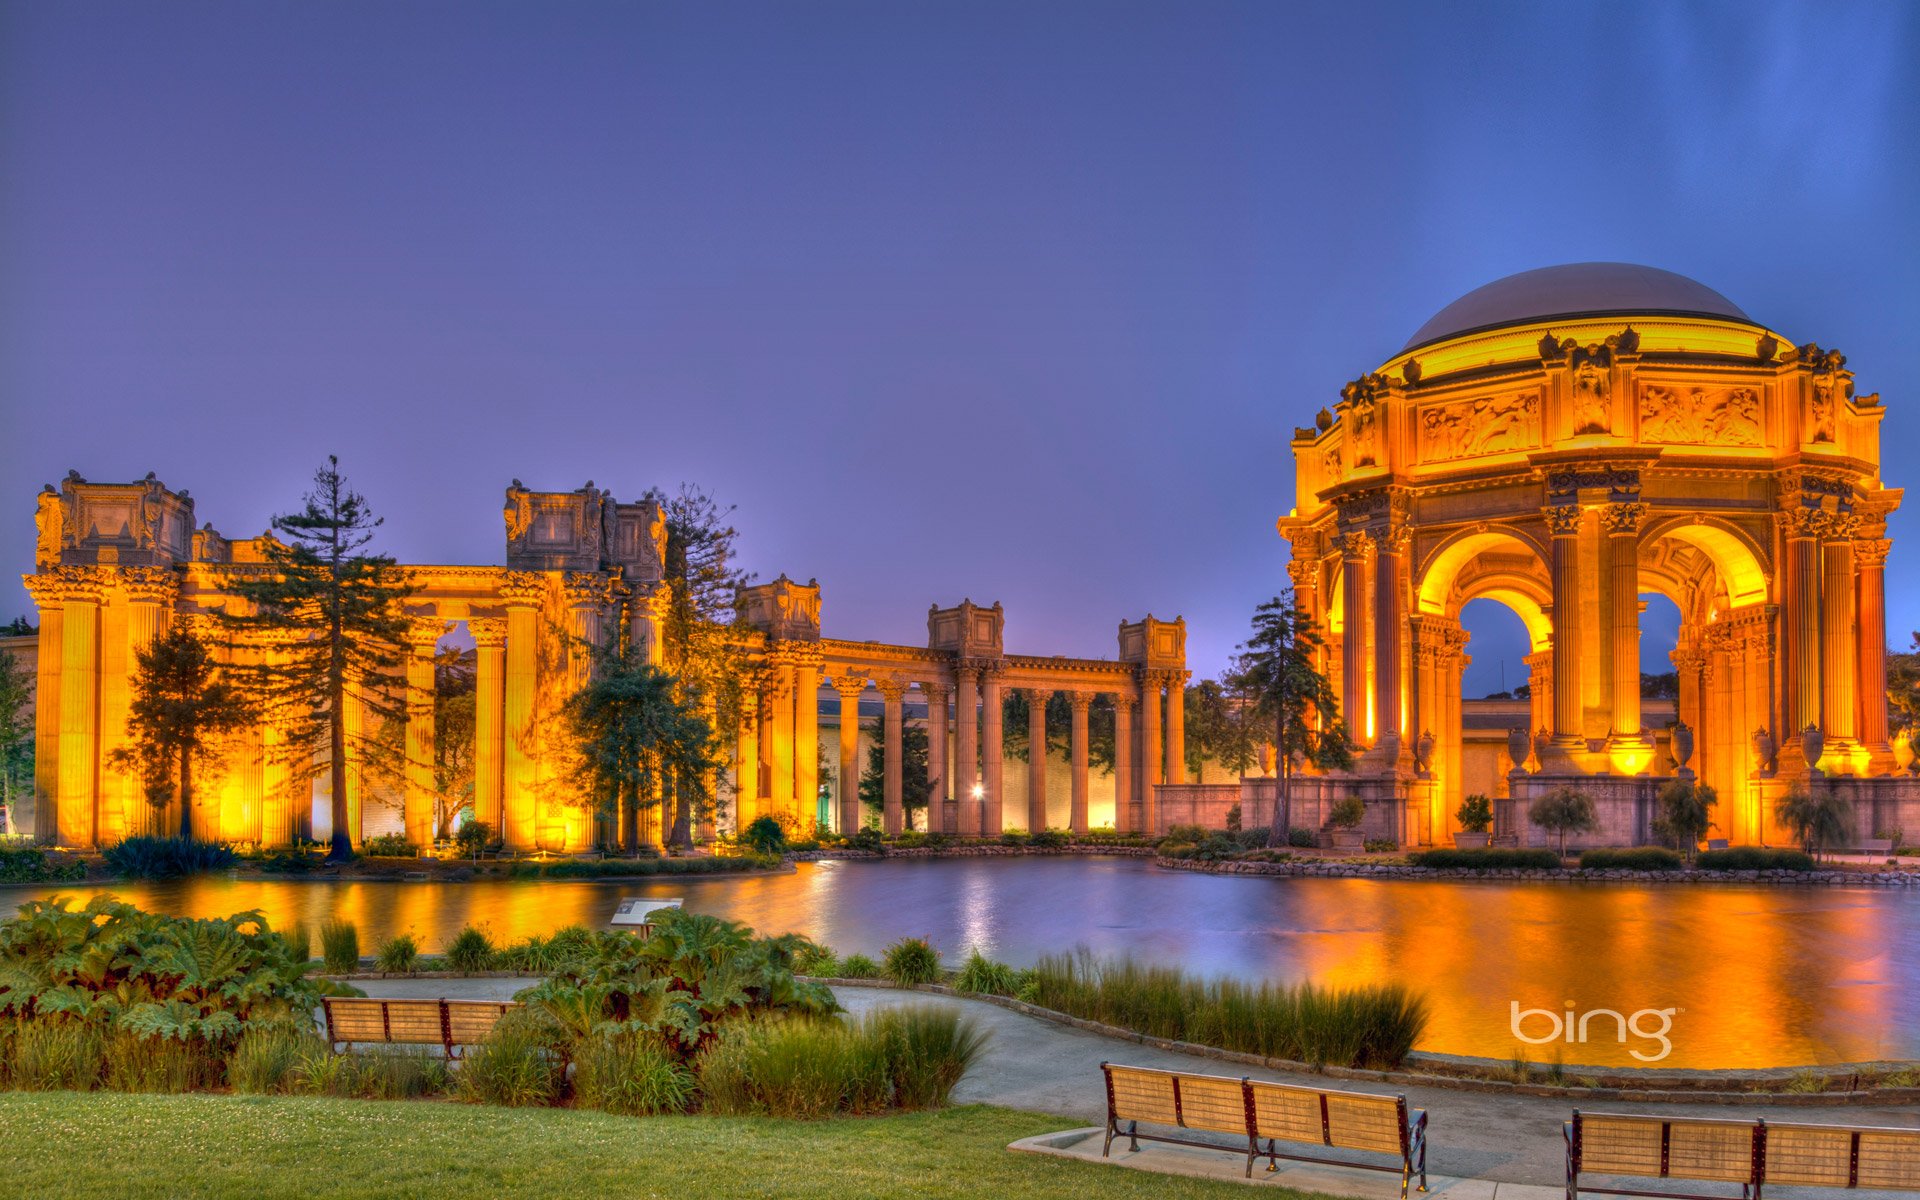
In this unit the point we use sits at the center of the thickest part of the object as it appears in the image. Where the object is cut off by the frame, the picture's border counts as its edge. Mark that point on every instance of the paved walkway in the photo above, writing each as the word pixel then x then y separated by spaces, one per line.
pixel 1043 1067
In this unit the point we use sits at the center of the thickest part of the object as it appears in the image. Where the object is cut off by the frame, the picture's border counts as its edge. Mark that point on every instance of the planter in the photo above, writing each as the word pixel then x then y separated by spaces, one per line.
pixel 1471 841
pixel 1349 839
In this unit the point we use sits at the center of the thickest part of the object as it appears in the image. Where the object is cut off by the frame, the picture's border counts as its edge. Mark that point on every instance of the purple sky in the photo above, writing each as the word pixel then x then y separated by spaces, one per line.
pixel 1016 302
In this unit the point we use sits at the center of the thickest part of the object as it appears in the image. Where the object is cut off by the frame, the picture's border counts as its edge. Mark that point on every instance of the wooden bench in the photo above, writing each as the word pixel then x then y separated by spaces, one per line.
pixel 1266 1112
pixel 1749 1153
pixel 449 1024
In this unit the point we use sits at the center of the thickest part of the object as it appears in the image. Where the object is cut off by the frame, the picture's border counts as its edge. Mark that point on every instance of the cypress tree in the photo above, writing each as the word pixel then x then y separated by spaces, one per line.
pixel 180 703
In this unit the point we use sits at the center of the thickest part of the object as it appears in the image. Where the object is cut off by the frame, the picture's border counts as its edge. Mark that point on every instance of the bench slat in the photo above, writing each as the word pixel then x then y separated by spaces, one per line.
pixel 1291 1114
pixel 1213 1103
pixel 1358 1122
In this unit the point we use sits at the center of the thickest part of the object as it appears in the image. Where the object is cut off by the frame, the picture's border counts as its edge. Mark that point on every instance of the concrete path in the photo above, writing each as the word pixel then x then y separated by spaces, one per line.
pixel 1043 1067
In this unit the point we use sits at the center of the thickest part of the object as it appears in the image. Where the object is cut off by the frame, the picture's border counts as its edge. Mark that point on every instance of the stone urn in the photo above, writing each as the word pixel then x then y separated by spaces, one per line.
pixel 1763 750
pixel 1518 743
pixel 1682 743
pixel 1423 750
pixel 1812 742
pixel 1541 740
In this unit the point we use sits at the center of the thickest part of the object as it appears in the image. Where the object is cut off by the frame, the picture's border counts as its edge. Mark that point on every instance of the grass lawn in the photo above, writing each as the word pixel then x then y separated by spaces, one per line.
pixel 76 1146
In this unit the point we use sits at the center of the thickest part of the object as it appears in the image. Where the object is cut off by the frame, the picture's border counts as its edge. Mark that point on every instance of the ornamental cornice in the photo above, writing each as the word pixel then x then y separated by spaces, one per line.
pixel 489 633
pixel 150 585
pixel 46 589
pixel 589 589
pixel 1622 484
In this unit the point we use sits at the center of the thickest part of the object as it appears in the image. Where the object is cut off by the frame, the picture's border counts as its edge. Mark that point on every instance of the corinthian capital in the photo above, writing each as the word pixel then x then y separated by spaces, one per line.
pixel 1871 552
pixel 522 589
pixel 1622 520
pixel 1563 520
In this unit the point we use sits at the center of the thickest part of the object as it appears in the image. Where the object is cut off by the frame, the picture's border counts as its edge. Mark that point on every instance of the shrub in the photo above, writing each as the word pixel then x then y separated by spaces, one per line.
pixel 809 1069
pixel 264 1061
pixel 631 1074
pixel 399 956
pixel 30 864
pixel 1191 834
pixel 1305 839
pixel 1498 859
pixel 928 1049
pixel 1637 858
pixel 1234 818
pixel 859 966
pixel 1379 845
pixel 983 976
pixel 1049 839
pixel 1014 837
pixel 166 858
pixel 514 1067
pixel 581 868
pixel 1754 858
pixel 911 961
pixel 473 837
pixel 299 940
pixel 340 946
pixel 389 845
pixel 868 840
pixel 1818 821
pixel 1347 813
pixel 1368 1026
pixel 1475 814
pixel 54 1054
pixel 815 960
pixel 765 836
pixel 470 951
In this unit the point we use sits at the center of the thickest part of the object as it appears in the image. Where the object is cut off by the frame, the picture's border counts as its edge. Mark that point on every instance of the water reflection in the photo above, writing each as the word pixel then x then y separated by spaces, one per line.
pixel 1759 976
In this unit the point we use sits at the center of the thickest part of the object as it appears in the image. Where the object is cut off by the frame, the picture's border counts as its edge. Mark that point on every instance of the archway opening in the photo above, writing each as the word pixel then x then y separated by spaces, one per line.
pixel 1659 636
pixel 1498 641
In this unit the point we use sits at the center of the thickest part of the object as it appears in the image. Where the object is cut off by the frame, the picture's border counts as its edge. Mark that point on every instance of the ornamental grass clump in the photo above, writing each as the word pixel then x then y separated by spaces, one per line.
pixel 264 1061
pixel 982 976
pixel 631 1074
pixel 516 1066
pixel 912 961
pixel 159 1064
pixel 808 1068
pixel 1373 1026
pixel 340 946
pixel 858 966
pixel 52 1055
pixel 471 951
pixel 399 956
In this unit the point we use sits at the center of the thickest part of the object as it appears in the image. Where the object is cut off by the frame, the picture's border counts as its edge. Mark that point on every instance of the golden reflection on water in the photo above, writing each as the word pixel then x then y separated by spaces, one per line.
pixel 1756 976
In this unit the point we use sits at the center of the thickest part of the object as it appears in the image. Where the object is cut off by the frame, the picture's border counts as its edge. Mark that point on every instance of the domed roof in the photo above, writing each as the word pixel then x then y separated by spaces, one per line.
pixel 1596 289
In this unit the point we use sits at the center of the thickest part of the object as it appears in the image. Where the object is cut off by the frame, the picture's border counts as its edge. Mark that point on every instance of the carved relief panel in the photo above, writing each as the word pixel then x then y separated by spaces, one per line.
pixel 1696 416
pixel 1483 425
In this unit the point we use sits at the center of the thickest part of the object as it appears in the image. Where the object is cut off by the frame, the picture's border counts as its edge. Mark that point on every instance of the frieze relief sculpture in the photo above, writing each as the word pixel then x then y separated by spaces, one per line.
pixel 1486 425
pixel 1700 417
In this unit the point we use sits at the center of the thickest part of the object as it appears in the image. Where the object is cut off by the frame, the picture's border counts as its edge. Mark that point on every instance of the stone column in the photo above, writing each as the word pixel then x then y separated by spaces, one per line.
pixel 1390 623
pixel 1870 560
pixel 1353 646
pixel 941 810
pixel 806 740
pixel 48 593
pixel 1177 727
pixel 992 766
pixel 489 690
pixel 778 743
pixel 1622 524
pixel 423 637
pixel 1125 770
pixel 1563 524
pixel 1079 703
pixel 746 762
pixel 966 768
pixel 1037 758
pixel 519 823
pixel 1150 746
pixel 1802 630
pixel 78 698
pixel 1839 650
pixel 848 793
pixel 892 695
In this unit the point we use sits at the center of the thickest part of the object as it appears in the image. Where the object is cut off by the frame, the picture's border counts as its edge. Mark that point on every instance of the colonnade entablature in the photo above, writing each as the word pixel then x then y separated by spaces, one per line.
pixel 116 564
pixel 1549 445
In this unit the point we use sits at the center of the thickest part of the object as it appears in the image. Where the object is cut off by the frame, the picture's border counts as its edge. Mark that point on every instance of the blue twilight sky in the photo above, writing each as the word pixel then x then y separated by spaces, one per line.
pixel 1010 301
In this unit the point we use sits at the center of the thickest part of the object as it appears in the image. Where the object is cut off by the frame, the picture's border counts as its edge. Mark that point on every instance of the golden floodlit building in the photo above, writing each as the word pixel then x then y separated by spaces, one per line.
pixel 1565 441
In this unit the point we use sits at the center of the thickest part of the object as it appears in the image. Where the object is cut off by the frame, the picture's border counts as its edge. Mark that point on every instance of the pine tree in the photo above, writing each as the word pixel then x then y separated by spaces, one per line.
pixel 914 786
pixel 181 704
pixel 335 618
pixel 639 740
pixel 1276 672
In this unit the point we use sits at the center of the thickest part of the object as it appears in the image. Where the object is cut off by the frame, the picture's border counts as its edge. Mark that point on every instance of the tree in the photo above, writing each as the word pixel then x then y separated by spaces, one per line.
pixel 639 740
pixel 704 642
pixel 1219 729
pixel 16 733
pixel 1686 813
pixel 914 786
pixel 1100 728
pixel 19 627
pixel 1277 673
pixel 1903 691
pixel 1817 820
pixel 335 618
pixel 453 736
pixel 181 704
pixel 1663 686
pixel 1564 810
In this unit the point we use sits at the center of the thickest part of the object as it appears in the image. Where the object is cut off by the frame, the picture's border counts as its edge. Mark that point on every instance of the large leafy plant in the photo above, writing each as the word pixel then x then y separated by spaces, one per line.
pixel 693 976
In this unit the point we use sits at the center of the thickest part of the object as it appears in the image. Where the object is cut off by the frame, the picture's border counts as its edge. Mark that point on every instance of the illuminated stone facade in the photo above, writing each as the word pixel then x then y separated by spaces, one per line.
pixel 117 563
pixel 1565 441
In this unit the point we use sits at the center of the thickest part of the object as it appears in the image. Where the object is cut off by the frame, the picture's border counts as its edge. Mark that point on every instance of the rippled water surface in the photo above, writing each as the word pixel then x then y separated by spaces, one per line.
pixel 1758 976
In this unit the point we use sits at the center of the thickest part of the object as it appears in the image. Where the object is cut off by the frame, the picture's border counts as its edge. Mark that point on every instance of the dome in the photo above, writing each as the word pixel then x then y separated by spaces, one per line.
pixel 1576 290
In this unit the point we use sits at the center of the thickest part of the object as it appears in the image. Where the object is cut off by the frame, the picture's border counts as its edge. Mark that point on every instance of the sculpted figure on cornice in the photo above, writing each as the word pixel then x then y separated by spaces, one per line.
pixel 518 511
pixel 1697 416
pixel 1592 383
pixel 1485 425
pixel 1363 422
pixel 48 525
